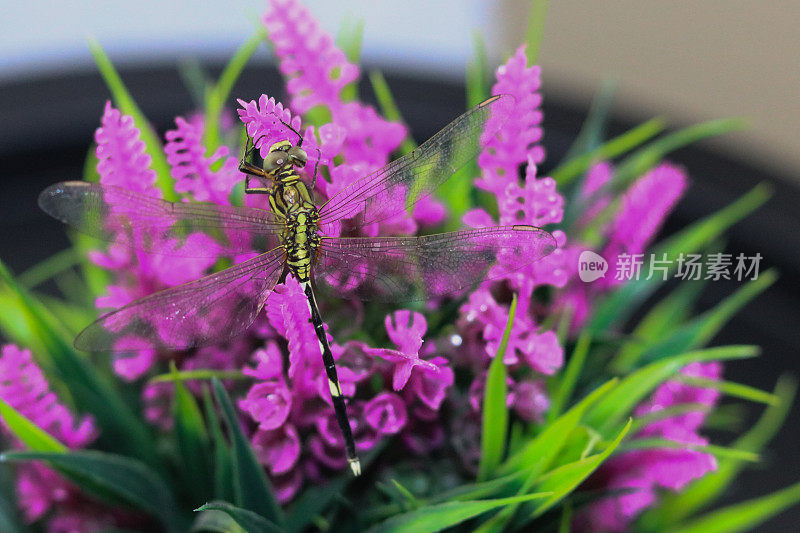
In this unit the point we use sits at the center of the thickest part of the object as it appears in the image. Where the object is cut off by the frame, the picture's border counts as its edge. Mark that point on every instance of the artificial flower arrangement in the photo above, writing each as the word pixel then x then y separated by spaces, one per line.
pixel 542 400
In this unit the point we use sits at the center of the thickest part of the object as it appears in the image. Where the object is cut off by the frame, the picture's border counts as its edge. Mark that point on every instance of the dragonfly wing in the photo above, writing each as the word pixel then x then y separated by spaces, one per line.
pixel 212 308
pixel 417 268
pixel 403 182
pixel 118 215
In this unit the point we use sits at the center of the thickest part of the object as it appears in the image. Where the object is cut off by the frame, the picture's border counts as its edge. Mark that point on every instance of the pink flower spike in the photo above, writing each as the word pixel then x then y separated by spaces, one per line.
pixel 192 169
pixel 386 412
pixel 24 387
pixel 431 387
pixel 122 160
pixel 517 141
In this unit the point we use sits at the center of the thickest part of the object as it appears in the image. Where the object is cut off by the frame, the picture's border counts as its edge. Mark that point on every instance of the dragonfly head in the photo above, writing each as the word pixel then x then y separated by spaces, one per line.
pixel 283 155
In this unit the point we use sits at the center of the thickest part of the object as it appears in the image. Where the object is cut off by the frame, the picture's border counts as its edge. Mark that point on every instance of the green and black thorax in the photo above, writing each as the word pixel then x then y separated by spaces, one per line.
pixel 290 202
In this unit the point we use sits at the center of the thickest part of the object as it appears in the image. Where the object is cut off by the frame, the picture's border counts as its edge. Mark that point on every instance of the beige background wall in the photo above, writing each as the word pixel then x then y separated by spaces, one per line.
pixel 690 60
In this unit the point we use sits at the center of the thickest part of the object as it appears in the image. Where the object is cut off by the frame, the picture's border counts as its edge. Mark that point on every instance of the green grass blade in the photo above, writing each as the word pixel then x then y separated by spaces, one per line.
pixel 495 411
pixel 720 452
pixel 564 479
pixel 26 431
pixel 252 489
pixel 223 467
pixel 567 171
pixel 649 156
pixel 537 455
pixel 126 104
pixel 658 323
pixel 218 94
pixel 202 374
pixel 703 328
pixel 731 388
pixel 619 306
pixel 193 444
pixel 635 387
pixel 477 72
pixel 113 478
pixel 535 29
pixel 247 520
pixel 48 268
pixel 441 516
pixel 590 136
pixel 744 516
pixel 565 387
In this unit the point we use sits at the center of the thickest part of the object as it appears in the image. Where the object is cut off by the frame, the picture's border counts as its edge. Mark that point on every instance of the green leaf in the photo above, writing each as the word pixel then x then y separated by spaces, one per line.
pixel 619 306
pixel 658 323
pixel 495 410
pixel 29 433
pixel 535 30
pixel 567 382
pixel 564 479
pixel 114 478
pixel 675 507
pixel 248 520
pixel 744 516
pixel 389 108
pixel 634 387
pixel 567 171
pixel 537 455
pixel 730 388
pixel 591 134
pixel 250 484
pixel 47 269
pixel 313 501
pixel 441 516
pixel 201 374
pixel 649 156
pixel 699 331
pixel 223 467
pixel 216 522
pixel 477 72
pixel 720 452
pixel 193 444
pixel 219 93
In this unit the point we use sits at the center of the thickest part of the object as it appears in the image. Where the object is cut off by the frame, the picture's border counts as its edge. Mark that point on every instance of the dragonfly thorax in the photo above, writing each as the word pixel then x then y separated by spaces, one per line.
pixel 293 206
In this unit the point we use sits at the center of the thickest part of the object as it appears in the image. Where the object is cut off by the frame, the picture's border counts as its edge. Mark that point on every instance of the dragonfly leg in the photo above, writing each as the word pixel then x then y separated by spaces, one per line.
pixel 333 381
pixel 254 190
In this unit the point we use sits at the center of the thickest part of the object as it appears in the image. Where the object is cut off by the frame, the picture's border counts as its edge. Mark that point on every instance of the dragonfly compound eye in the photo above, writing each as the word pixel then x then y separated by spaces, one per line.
pixel 298 155
pixel 274 160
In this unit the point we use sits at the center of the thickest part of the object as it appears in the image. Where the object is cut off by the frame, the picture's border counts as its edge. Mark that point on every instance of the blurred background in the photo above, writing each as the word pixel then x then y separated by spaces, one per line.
pixel 686 60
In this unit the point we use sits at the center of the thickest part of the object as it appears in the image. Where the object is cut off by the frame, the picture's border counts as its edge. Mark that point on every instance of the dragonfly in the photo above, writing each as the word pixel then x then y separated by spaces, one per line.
pixel 290 239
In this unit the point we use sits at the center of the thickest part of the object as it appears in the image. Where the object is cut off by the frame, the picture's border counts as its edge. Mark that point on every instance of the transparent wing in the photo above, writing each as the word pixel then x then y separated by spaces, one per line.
pixel 213 308
pixel 118 215
pixel 416 268
pixel 403 182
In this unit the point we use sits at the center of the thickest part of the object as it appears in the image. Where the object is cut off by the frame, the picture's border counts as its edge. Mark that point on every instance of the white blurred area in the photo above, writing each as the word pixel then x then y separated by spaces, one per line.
pixel 690 60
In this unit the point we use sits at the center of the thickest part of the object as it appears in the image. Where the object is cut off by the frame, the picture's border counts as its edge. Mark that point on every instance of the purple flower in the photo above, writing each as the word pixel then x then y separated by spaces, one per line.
pixel 269 403
pixel 192 170
pixel 649 470
pixel 386 413
pixel 530 400
pixel 644 208
pixel 24 387
pixel 122 160
pixel 277 449
pixel 515 143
